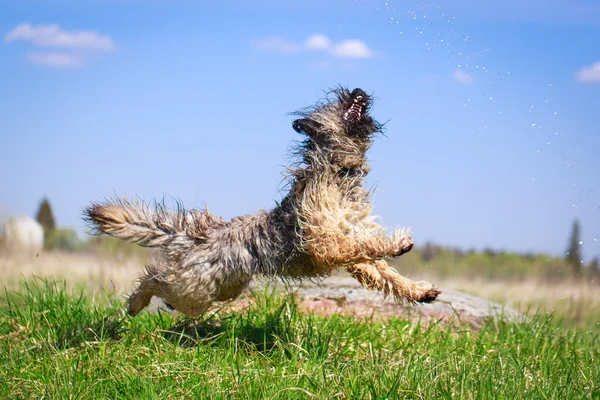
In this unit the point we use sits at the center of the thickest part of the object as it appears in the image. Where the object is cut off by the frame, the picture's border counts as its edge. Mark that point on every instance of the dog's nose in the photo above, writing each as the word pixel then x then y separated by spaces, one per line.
pixel 358 92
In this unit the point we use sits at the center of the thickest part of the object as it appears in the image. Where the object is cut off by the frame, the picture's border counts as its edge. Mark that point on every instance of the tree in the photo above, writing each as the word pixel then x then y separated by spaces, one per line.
pixel 594 268
pixel 573 256
pixel 46 218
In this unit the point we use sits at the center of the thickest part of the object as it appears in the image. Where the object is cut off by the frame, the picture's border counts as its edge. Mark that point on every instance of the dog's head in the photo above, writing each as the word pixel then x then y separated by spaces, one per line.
pixel 343 114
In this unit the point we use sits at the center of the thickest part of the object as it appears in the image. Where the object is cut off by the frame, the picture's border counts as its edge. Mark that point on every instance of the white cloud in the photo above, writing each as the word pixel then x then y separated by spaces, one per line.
pixel 54 36
pixel 56 60
pixel 351 48
pixel 461 76
pixel 317 41
pixel 589 74
pixel 76 45
pixel 276 44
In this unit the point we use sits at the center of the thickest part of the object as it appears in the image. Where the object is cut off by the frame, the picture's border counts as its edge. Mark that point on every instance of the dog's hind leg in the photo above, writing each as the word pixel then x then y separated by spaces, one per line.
pixel 149 286
pixel 381 277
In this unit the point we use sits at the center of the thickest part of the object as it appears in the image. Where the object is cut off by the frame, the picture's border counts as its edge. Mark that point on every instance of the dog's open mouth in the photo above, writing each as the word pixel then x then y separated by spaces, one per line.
pixel 354 112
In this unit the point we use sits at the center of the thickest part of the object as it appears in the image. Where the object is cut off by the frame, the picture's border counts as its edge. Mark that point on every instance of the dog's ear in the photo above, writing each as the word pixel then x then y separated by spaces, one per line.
pixel 306 126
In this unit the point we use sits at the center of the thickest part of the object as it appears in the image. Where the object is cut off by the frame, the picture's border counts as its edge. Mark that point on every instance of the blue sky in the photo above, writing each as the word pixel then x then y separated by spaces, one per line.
pixel 492 136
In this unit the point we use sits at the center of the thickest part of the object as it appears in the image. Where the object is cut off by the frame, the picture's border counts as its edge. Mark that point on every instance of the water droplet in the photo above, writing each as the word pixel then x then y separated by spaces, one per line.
pixel 533 124
pixel 595 240
pixel 581 242
pixel 491 98
pixel 555 133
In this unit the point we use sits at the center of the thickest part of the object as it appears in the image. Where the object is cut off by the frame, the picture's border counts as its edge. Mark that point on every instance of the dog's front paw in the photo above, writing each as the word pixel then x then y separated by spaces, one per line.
pixel 401 242
pixel 405 249
pixel 402 247
pixel 427 293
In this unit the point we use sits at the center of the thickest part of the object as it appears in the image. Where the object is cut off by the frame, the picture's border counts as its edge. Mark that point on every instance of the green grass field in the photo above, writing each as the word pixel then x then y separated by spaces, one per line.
pixel 58 345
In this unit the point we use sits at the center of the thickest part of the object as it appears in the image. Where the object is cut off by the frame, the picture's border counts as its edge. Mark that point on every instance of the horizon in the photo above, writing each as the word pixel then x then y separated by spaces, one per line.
pixel 491 109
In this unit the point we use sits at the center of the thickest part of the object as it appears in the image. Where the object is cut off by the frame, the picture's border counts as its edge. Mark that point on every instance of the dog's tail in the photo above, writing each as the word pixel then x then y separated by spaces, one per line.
pixel 148 225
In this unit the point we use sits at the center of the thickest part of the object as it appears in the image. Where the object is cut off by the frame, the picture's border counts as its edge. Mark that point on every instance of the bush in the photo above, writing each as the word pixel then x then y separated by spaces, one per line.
pixel 114 247
pixel 63 239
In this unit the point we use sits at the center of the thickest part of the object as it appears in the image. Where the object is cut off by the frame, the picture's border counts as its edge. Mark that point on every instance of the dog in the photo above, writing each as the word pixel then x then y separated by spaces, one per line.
pixel 324 223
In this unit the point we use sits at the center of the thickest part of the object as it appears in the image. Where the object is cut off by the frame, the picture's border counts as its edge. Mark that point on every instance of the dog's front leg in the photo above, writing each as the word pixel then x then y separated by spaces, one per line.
pixel 379 276
pixel 334 248
pixel 380 246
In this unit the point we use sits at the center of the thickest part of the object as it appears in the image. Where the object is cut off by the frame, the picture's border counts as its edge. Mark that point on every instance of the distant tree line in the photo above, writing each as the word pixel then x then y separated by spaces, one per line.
pixel 493 264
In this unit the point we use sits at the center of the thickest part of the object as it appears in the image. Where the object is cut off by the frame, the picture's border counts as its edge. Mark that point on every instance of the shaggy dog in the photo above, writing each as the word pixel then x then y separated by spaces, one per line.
pixel 323 223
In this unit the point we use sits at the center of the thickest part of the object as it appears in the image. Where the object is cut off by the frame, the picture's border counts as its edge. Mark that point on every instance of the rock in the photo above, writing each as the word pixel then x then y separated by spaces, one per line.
pixel 343 295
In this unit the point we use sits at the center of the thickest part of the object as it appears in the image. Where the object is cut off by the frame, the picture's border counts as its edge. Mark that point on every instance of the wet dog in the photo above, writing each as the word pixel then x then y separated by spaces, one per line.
pixel 322 224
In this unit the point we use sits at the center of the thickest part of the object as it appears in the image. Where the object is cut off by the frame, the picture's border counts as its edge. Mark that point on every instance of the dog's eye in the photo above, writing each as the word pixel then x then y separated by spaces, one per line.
pixel 306 126
pixel 349 172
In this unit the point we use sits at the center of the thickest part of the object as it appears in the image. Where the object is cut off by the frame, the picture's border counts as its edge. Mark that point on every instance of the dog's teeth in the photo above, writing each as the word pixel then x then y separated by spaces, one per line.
pixel 355 110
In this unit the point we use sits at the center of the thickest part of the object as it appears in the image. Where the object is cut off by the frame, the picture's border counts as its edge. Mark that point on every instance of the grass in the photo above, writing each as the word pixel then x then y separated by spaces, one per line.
pixel 60 344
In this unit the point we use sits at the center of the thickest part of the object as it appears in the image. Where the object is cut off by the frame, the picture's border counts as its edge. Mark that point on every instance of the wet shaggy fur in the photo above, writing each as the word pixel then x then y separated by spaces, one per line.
pixel 322 224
